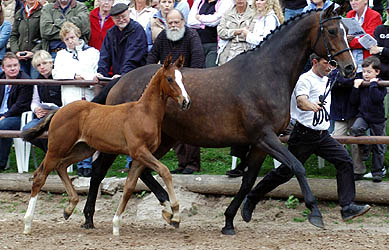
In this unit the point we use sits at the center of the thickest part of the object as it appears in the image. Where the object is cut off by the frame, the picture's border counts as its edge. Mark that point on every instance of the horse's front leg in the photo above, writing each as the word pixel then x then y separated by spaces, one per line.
pixel 254 162
pixel 148 179
pixel 272 145
pixel 128 189
pixel 146 158
pixel 99 169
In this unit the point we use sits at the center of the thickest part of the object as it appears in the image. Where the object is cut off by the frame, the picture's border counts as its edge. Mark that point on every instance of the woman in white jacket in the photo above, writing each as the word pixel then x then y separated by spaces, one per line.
pixel 269 17
pixel 78 61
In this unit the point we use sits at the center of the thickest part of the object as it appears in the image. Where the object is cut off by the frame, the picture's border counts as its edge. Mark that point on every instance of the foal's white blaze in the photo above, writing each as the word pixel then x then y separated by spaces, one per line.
pixel 29 214
pixel 345 40
pixel 178 76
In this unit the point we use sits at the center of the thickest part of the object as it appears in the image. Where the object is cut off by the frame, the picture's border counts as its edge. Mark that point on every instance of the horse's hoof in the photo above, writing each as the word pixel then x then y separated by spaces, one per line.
pixel 88 226
pixel 175 224
pixel 315 220
pixel 66 215
pixel 228 231
pixel 167 216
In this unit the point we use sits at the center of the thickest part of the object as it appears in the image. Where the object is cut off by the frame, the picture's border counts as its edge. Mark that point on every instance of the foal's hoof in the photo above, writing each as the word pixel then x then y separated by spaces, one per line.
pixel 316 220
pixel 175 224
pixel 228 231
pixel 167 216
pixel 88 226
pixel 66 215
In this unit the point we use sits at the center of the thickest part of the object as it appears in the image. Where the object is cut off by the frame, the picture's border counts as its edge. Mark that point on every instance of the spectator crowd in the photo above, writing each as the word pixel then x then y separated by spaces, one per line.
pixel 62 39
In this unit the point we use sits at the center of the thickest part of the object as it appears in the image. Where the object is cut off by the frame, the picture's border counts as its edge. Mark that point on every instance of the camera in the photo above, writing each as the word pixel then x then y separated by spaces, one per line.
pixel 23 53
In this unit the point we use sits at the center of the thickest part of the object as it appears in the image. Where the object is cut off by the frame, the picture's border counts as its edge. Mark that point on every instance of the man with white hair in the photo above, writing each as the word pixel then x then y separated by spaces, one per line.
pixel 175 40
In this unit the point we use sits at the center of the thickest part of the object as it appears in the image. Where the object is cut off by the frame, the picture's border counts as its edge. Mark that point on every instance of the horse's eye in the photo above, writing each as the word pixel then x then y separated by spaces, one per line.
pixel 332 31
pixel 169 79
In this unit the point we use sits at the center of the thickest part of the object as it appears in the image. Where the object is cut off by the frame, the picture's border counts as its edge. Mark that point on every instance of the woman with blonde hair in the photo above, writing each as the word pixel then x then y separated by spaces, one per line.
pixel 269 17
pixel 78 61
pixel 45 97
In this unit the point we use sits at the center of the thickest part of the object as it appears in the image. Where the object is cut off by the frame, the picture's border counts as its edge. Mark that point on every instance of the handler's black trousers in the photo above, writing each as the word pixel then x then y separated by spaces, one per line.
pixel 302 144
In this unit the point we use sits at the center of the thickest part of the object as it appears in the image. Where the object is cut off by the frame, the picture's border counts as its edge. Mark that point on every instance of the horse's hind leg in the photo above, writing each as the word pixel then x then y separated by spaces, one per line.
pixel 78 153
pixel 40 175
pixel 272 145
pixel 254 160
pixel 99 169
pixel 129 187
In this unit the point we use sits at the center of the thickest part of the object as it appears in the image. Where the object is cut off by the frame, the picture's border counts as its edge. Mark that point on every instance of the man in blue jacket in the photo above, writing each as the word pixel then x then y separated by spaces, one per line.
pixel 14 100
pixel 125 45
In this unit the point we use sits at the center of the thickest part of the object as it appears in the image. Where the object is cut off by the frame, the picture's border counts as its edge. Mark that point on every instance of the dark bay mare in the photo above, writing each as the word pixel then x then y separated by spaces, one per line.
pixel 244 102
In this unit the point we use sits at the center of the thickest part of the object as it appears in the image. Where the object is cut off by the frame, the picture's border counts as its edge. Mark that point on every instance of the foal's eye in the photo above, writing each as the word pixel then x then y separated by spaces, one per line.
pixel 332 31
pixel 169 79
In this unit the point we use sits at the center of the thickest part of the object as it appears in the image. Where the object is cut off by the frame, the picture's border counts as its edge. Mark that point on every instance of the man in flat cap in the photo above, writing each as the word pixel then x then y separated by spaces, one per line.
pixel 125 45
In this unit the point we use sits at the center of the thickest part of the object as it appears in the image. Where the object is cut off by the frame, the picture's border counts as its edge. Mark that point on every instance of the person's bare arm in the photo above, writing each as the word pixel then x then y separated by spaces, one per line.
pixel 304 104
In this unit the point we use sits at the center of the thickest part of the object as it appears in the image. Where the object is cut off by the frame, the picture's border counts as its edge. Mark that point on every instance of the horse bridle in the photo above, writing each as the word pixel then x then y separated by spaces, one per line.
pixel 331 61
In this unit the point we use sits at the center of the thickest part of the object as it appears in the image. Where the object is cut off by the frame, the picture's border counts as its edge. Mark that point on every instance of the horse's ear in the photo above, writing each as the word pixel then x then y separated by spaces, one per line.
pixel 179 63
pixel 329 11
pixel 341 10
pixel 168 61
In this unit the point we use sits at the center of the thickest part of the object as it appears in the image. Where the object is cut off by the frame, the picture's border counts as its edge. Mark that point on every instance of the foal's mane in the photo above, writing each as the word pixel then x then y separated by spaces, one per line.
pixel 151 81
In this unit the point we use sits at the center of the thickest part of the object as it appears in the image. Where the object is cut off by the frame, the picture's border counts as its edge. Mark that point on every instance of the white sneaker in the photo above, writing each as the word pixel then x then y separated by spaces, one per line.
pixel 370 176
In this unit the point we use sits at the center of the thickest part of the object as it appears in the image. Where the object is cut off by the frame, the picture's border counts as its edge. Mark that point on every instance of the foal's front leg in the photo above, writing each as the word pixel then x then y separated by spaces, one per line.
pixel 128 189
pixel 147 158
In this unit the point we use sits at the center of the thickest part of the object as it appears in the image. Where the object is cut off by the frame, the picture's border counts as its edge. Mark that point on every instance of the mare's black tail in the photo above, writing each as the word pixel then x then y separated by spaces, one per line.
pixel 41 127
pixel 102 96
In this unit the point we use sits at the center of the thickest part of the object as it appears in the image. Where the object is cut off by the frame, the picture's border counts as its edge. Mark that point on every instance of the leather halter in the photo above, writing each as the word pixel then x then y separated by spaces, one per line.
pixel 321 29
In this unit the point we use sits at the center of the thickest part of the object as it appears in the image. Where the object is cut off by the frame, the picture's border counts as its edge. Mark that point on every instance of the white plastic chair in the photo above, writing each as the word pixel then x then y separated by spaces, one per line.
pixel 23 148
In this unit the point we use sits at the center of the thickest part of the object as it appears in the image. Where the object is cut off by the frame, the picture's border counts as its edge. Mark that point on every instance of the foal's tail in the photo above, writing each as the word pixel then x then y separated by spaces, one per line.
pixel 41 127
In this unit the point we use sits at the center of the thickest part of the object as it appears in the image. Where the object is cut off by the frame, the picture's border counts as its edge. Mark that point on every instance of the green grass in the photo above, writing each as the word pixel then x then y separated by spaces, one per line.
pixel 214 161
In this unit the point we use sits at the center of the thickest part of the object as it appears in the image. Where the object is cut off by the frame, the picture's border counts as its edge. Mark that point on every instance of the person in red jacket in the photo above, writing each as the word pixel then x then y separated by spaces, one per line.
pixel 100 22
pixel 369 20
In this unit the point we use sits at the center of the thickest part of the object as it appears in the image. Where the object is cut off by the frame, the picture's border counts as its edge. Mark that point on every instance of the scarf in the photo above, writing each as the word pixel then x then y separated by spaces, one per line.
pixel 30 10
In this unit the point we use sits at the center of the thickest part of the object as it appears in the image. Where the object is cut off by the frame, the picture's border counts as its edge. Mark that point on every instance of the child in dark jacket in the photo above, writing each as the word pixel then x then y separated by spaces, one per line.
pixel 371 112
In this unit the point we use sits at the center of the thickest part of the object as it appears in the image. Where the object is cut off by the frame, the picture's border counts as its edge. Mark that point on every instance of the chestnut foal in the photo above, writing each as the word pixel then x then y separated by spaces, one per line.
pixel 80 128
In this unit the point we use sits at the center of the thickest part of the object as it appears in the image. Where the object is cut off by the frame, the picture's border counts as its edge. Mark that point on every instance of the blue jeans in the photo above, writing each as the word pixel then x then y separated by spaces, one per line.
pixel 40 143
pixel 27 67
pixel 87 163
pixel 289 13
pixel 9 123
pixel 129 161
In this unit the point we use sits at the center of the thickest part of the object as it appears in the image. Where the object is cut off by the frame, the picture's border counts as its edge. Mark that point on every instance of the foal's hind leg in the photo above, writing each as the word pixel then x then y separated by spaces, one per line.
pixel 79 152
pixel 40 175
pixel 128 189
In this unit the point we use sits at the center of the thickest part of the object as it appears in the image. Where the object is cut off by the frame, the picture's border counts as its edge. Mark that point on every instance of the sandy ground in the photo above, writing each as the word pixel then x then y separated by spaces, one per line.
pixel 273 226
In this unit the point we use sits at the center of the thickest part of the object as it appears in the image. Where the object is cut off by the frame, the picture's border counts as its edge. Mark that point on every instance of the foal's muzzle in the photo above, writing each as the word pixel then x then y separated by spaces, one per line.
pixel 185 104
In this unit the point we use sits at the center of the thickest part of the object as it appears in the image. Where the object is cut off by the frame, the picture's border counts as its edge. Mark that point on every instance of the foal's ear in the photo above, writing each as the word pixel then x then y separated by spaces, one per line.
pixel 168 61
pixel 179 63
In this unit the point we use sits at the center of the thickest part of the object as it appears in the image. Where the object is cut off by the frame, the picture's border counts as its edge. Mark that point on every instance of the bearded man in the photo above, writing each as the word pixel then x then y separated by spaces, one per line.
pixel 177 39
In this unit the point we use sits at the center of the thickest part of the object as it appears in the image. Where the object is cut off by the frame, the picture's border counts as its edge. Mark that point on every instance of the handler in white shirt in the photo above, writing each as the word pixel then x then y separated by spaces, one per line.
pixel 311 137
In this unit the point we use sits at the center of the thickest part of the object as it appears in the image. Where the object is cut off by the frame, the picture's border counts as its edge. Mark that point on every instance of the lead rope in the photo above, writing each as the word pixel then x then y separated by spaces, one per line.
pixel 322 114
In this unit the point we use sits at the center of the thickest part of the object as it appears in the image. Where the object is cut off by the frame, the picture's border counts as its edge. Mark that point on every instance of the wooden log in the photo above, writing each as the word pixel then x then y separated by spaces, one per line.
pixel 323 189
